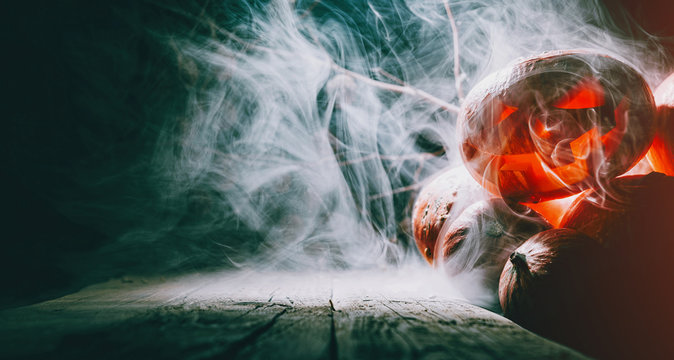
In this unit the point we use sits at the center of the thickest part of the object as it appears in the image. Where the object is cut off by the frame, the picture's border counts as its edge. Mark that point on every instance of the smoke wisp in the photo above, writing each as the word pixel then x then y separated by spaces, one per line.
pixel 294 134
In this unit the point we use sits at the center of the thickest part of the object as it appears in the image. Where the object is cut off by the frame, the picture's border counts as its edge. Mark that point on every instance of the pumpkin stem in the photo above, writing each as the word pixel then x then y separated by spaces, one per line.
pixel 519 262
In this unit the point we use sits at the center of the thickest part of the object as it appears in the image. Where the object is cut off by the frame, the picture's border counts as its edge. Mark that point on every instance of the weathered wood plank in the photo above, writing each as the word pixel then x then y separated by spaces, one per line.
pixel 267 315
pixel 384 322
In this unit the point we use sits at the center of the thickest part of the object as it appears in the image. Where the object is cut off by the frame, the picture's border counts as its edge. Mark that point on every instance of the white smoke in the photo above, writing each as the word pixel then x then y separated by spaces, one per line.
pixel 307 127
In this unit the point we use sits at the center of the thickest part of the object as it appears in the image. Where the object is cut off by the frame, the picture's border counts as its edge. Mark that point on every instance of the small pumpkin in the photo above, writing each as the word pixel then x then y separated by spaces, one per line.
pixel 554 124
pixel 484 235
pixel 552 285
pixel 442 199
pixel 661 154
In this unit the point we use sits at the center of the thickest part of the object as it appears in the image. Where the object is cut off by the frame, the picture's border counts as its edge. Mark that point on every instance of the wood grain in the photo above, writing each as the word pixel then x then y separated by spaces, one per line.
pixel 348 315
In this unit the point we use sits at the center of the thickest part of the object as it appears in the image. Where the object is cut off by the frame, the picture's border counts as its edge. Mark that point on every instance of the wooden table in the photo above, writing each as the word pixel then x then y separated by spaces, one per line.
pixel 384 314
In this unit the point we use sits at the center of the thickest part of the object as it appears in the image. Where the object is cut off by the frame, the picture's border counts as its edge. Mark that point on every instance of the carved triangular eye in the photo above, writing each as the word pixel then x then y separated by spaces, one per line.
pixel 588 93
pixel 505 112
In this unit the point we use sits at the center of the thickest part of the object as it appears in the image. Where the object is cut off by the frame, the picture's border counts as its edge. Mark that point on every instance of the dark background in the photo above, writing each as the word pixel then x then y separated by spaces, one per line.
pixel 71 70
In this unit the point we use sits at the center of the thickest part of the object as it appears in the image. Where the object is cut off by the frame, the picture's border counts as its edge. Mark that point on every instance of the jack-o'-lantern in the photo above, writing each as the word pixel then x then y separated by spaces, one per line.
pixel 555 124
pixel 661 154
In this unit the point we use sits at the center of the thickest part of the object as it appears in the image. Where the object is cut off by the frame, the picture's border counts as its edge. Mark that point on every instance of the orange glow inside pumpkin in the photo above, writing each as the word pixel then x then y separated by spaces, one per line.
pixel 661 154
pixel 533 173
pixel 586 94
pixel 507 111
pixel 553 210
pixel 529 170
pixel 540 130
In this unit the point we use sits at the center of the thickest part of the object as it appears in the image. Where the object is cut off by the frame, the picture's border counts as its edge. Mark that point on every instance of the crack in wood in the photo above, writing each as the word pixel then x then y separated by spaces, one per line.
pixel 237 346
pixel 406 318
pixel 437 316
pixel 332 346
pixel 272 294
pixel 255 307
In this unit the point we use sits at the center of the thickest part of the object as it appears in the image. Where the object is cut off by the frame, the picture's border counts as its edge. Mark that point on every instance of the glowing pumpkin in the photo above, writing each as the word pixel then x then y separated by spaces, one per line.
pixel 661 154
pixel 553 125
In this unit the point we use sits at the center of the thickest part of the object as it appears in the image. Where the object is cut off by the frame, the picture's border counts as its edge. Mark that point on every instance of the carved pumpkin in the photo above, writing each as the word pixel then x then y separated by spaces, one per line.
pixel 552 125
pixel 441 200
pixel 661 154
